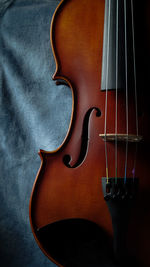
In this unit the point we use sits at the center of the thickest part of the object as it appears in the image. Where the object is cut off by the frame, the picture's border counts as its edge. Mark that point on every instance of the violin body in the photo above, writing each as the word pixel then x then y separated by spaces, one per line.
pixel 68 185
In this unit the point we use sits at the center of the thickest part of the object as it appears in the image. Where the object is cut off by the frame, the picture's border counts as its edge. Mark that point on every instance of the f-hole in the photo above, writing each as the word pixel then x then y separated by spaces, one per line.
pixel 85 138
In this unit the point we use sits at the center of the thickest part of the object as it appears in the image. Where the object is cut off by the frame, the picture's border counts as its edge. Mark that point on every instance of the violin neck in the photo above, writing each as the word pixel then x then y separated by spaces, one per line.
pixel 118 45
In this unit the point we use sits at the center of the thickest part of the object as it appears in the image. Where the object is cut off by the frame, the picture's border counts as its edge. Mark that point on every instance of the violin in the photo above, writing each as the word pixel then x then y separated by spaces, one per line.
pixel 95 187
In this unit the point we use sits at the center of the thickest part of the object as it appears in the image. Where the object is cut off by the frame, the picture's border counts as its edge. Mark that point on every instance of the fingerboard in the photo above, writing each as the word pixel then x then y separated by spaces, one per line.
pixel 117 25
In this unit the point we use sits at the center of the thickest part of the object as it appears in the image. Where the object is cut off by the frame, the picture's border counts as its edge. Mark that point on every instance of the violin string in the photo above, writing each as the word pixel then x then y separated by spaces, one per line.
pixel 126 79
pixel 135 78
pixel 106 99
pixel 135 84
pixel 116 121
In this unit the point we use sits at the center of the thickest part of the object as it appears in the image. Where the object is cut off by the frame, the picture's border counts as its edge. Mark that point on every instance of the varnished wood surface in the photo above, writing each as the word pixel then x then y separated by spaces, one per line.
pixel 62 192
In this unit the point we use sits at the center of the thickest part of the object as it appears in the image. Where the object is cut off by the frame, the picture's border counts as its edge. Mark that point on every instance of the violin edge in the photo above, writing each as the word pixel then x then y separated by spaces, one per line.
pixel 30 211
pixel 57 76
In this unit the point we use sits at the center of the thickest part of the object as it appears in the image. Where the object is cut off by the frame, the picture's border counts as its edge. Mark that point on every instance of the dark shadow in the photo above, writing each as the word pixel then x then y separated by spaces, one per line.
pixel 77 242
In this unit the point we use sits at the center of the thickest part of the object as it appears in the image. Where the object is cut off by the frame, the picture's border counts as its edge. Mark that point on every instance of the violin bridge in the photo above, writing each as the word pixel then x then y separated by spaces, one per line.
pixel 121 138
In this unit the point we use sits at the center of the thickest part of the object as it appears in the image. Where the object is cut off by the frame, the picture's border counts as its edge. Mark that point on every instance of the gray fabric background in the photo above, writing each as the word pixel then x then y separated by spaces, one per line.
pixel 34 114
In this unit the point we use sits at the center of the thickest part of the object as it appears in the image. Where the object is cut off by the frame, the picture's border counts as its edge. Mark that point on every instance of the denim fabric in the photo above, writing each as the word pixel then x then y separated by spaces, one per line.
pixel 34 114
pixel 4 4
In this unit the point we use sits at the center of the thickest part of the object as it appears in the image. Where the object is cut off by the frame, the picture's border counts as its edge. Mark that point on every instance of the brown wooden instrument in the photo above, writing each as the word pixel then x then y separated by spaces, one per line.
pixel 91 181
